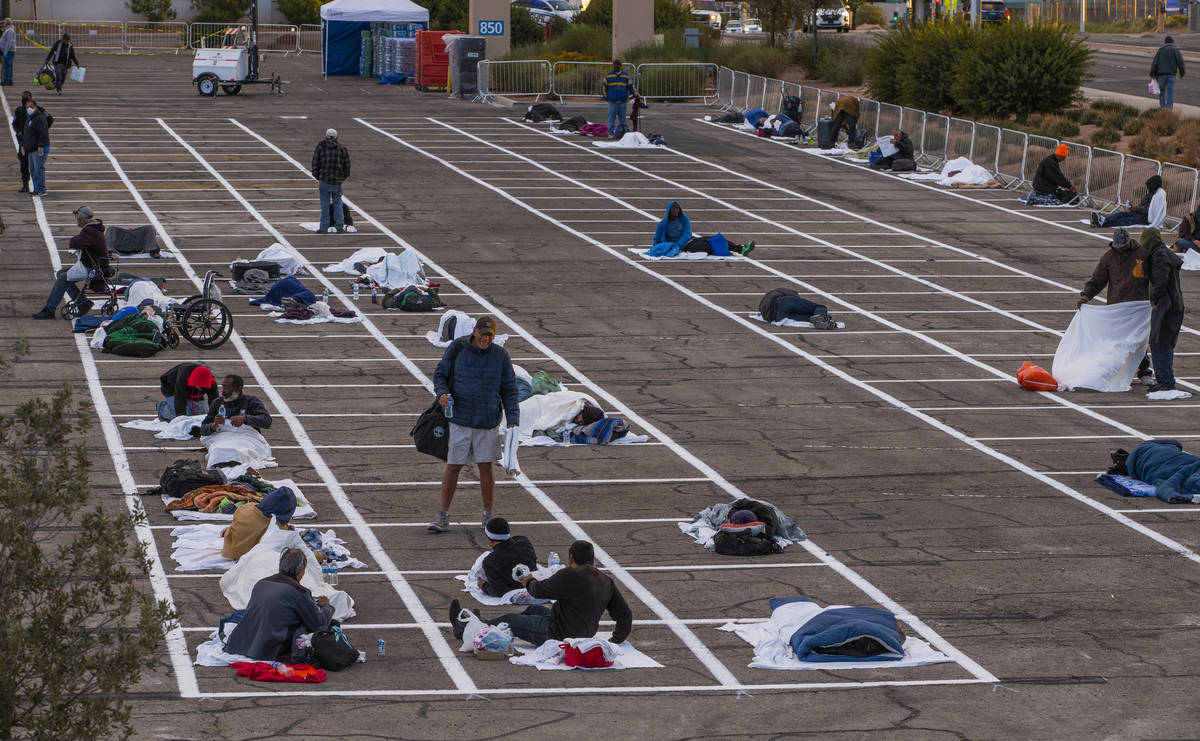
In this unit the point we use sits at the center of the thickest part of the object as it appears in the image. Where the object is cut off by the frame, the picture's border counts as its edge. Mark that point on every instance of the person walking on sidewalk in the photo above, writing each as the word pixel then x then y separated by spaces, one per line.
pixel 1167 65
pixel 331 166
pixel 8 45
pixel 62 56
pixel 478 377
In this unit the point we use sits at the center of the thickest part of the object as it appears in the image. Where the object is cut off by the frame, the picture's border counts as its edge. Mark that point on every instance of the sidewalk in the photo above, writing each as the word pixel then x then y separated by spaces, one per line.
pixel 1140 102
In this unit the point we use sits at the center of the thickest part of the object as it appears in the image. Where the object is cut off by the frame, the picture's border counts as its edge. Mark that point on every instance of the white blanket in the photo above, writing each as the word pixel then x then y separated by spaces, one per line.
pixel 1102 347
pixel 1191 260
pixel 791 322
pixel 1169 395
pixel 631 140
pixel 198 547
pixel 548 411
pixel 304 510
pixel 262 561
pixel 517 596
pixel 369 255
pixel 243 445
pixel 323 314
pixel 398 271
pixel 176 429
pixel 212 651
pixel 289 260
pixel 140 290
pixel 464 324
pixel 773 649
pixel 965 173
pixel 508 458
pixel 314 226
pixel 692 256
pixel 549 657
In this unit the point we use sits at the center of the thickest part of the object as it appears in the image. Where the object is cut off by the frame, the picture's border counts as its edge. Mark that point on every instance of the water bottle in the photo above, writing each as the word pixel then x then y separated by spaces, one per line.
pixel 325 295
pixel 379 647
pixel 355 291
pixel 333 574
pixel 374 293
pixel 554 560
pixel 282 668
pixel 325 572
pixel 449 406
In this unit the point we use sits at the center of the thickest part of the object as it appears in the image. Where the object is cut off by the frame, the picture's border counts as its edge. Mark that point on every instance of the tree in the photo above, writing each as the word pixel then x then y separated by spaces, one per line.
pixel 220 11
pixel 300 12
pixel 448 15
pixel 155 11
pixel 853 6
pixel 668 14
pixel 524 29
pixel 78 627
pixel 774 15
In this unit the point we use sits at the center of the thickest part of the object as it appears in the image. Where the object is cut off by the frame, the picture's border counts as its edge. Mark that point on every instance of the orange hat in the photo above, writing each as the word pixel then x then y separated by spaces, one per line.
pixel 1061 150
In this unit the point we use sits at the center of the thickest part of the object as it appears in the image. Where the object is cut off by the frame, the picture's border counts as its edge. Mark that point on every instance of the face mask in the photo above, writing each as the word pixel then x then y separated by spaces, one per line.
pixel 30 111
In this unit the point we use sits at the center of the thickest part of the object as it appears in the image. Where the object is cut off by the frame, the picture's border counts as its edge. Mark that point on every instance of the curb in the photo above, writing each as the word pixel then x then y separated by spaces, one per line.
pixel 1140 102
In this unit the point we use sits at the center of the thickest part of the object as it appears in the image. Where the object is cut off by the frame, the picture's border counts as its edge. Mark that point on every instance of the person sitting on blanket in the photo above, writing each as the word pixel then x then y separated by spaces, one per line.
pixel 784 303
pixel 1050 186
pixel 1189 233
pixel 1123 268
pixel 581 592
pixel 251 520
pixel 508 550
pixel 188 389
pixel 279 607
pixel 236 407
pixel 903 160
pixel 1151 210
pixel 674 235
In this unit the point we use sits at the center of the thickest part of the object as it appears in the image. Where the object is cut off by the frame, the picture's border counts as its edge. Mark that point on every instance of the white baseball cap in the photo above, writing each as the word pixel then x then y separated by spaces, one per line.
pixel 331 133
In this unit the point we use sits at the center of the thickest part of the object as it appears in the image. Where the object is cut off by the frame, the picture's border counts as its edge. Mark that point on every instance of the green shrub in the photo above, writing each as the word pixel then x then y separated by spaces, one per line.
pixel 757 59
pixel 1130 126
pixel 1105 137
pixel 926 76
pixel 1177 21
pixel 1114 107
pixel 839 62
pixel 667 14
pixel 1057 127
pixel 1091 118
pixel 219 11
pixel 869 14
pixel 577 43
pixel 523 28
pixel 884 60
pixel 1020 69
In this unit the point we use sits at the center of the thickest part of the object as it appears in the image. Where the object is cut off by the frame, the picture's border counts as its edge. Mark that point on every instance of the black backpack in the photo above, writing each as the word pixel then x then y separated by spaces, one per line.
pixel 790 107
pixel 431 433
pixel 539 112
pixel 574 123
pixel 331 649
pixel 744 544
pixel 411 298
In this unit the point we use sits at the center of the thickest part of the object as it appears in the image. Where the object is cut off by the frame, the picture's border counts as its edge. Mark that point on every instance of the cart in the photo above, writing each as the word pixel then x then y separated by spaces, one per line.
pixel 233 64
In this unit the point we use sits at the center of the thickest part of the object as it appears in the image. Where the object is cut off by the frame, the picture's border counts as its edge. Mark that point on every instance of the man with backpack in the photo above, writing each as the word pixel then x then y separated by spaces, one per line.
pixel 473 381
pixel 331 167
pixel 62 56
pixel 618 89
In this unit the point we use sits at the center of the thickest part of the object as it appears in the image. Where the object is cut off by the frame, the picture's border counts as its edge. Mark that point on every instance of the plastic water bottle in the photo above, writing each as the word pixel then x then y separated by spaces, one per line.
pixel 325 572
pixel 449 406
pixel 355 291
pixel 333 574
pixel 325 295
pixel 282 668
pixel 554 560
pixel 379 647
pixel 374 293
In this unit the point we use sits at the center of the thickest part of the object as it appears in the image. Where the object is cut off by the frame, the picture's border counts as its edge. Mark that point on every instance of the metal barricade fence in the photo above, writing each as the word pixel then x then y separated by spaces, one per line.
pixel 810 98
pixel 826 100
pixel 1037 148
pixel 888 121
pixel 741 84
pixel 725 87
pixel 1075 167
pixel 868 116
pixel 959 134
pixel 278 37
pixel 934 139
pixel 1180 184
pixel 1104 179
pixel 166 36
pixel 663 81
pixel 1134 173
pixel 985 146
pixel 756 91
pixel 773 97
pixel 1010 158
pixel 578 79
pixel 531 77
pixel 912 122
pixel 310 37
pixel 37 34
pixel 94 35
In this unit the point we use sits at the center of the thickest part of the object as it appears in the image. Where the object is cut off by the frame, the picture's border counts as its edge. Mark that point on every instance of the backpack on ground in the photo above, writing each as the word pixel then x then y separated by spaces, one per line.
pixel 331 649
pixel 790 107
pixel 539 112
pixel 411 298
pixel 729 543
pixel 132 240
pixel 858 138
pixel 133 336
pixel 574 123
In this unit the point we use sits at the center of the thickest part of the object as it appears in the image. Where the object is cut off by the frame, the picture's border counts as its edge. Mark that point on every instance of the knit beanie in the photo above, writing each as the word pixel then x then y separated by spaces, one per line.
pixel 281 503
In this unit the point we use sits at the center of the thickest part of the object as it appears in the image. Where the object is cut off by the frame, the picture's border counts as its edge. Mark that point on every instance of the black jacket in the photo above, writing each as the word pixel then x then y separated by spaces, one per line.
pixel 62 54
pixel 582 593
pixel 279 608
pixel 1165 291
pixel 330 162
pixel 1167 61
pixel 36 132
pixel 770 301
pixel 256 414
pixel 904 147
pixel 1123 271
pixel 498 565
pixel 1049 176
pixel 175 383
pixel 93 250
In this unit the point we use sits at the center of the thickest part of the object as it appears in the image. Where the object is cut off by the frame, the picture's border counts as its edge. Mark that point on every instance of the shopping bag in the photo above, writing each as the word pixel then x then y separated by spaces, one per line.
pixel 78 271
pixel 77 73
pixel 1152 88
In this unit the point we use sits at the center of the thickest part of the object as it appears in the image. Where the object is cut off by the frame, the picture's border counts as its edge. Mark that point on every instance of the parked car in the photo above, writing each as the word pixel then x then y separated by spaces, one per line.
pixel 752 25
pixel 993 11
pixel 708 18
pixel 544 10
pixel 733 27
pixel 834 15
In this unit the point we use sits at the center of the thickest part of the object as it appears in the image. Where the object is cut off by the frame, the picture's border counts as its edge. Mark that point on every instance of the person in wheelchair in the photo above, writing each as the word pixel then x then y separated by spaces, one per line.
pixel 92 265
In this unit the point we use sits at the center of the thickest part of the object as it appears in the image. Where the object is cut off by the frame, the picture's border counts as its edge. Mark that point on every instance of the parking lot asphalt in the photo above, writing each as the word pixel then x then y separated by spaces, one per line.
pixel 927 482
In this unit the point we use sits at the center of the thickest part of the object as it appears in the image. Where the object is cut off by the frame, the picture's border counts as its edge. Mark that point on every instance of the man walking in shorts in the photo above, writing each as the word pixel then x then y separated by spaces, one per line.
pixel 473 381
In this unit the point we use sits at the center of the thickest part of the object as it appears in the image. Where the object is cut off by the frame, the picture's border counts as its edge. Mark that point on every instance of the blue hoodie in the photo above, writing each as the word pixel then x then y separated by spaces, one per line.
pixel 672 234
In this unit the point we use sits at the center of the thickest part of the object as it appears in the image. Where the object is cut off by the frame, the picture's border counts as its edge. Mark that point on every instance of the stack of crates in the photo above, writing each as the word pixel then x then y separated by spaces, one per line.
pixel 433 62
pixel 395 45
pixel 366 55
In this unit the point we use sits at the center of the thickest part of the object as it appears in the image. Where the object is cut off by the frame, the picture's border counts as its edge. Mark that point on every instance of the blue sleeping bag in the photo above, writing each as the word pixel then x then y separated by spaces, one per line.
pixel 838 626
pixel 289 287
pixel 1174 474
pixel 755 116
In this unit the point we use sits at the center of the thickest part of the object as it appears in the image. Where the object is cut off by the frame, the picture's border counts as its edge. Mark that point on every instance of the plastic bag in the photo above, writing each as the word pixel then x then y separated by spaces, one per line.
pixel 473 626
pixel 1102 347
pixel 78 73
pixel 1035 378
pixel 1152 88
pixel 493 638
pixel 542 383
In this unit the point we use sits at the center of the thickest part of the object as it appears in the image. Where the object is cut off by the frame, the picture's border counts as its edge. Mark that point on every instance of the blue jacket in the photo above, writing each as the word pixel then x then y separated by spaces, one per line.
pixel 674 233
pixel 482 381
pixel 618 86
pixel 279 608
pixel 1174 474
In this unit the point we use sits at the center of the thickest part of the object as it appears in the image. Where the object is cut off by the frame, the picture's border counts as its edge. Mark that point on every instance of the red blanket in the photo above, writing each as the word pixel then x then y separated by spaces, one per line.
pixel 264 672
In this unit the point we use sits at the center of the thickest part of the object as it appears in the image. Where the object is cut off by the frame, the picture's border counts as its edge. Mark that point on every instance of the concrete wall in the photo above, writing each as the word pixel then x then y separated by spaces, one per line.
pixel 114 10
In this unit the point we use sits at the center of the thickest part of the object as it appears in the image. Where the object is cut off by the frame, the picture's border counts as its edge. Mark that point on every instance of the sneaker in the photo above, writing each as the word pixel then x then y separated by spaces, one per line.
pixel 330 230
pixel 823 321
pixel 38 193
pixel 748 248
pixel 44 314
pixel 456 625
pixel 1146 379
pixel 1160 387
pixel 1095 219
pixel 487 516
pixel 351 230
pixel 85 306
pixel 440 525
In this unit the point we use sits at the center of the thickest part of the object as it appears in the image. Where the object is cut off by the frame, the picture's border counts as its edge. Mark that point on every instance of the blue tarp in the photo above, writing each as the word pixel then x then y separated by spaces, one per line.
pixel 342 46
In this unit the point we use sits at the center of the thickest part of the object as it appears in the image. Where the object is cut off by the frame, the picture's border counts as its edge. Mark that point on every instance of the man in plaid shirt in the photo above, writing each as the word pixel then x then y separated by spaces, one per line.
pixel 330 166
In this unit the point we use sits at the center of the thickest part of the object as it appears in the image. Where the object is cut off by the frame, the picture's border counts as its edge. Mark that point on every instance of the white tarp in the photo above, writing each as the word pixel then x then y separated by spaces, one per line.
pixel 1102 347
pixel 383 11
pixel 398 271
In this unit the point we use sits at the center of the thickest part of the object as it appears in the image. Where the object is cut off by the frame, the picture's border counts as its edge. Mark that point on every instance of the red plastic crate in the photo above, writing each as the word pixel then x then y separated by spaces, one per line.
pixel 433 63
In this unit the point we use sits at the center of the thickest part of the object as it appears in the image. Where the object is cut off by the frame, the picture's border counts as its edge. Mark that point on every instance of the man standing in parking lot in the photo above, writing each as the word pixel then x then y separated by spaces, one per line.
pixel 331 166
pixel 1167 65
pixel 618 89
